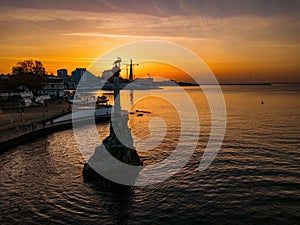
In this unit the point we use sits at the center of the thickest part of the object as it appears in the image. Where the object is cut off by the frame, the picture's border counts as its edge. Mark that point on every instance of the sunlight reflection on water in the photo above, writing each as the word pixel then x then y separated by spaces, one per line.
pixel 254 179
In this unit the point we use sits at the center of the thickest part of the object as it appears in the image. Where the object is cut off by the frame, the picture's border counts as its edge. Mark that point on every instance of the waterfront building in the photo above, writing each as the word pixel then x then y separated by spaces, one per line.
pixel 68 80
pixel 77 75
pixel 53 87
pixel 62 73
pixel 85 77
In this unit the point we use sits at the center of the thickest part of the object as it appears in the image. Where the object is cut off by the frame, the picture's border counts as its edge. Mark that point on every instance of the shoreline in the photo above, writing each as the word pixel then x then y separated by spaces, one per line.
pixel 11 118
pixel 33 135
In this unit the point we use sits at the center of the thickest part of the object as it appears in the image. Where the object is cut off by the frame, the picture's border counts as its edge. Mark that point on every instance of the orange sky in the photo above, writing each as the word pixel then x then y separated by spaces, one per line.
pixel 247 42
pixel 155 70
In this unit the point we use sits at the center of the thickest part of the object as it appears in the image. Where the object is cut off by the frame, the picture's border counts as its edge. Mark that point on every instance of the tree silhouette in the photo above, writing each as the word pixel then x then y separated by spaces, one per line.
pixel 29 73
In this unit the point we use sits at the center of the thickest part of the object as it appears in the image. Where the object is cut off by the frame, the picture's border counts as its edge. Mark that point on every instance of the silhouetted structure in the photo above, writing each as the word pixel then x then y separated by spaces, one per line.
pixel 103 161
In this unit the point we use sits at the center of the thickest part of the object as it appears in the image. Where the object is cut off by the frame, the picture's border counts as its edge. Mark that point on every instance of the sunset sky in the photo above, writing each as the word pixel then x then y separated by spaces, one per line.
pixel 240 40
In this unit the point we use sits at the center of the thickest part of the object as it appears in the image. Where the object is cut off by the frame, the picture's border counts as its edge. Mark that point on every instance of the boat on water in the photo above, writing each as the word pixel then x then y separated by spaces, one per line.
pixel 100 110
pixel 103 108
pixel 102 102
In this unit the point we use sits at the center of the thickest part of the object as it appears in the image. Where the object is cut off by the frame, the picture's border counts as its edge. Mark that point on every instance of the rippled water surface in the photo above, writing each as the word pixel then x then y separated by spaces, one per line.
pixel 255 178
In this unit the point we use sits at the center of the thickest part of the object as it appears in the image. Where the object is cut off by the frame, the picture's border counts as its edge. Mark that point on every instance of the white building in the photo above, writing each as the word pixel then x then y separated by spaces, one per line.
pixel 54 87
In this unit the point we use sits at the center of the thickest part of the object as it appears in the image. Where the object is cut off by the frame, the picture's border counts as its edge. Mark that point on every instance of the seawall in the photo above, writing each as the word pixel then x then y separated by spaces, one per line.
pixel 43 132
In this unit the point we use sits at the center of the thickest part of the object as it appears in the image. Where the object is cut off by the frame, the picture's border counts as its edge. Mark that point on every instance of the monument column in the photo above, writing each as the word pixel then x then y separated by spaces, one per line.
pixel 104 165
pixel 116 73
pixel 117 105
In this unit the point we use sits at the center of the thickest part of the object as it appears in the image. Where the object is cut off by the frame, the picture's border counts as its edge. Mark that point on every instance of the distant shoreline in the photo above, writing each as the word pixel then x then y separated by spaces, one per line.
pixel 194 85
pixel 247 84
pixel 183 84
pixel 242 84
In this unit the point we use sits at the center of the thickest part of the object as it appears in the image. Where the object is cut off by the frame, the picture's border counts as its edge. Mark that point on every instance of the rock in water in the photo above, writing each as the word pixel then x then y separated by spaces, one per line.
pixel 118 144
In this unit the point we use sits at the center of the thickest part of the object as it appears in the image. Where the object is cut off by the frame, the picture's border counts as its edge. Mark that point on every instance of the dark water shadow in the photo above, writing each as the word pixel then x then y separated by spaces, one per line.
pixel 118 202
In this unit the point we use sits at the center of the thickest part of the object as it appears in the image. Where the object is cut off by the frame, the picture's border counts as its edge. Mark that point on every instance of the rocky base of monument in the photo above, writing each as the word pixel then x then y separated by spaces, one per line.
pixel 109 166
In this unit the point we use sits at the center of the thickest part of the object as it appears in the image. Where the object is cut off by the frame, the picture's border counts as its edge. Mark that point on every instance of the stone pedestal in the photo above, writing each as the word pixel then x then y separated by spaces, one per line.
pixel 101 161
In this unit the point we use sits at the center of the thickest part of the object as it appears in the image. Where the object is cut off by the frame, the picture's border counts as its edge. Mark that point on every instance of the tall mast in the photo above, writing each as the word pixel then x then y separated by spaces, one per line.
pixel 130 71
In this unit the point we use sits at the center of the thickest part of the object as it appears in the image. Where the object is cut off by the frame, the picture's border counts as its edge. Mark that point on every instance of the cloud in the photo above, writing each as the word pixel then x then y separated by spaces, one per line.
pixel 230 31
pixel 232 8
pixel 212 8
pixel 37 15
pixel 239 29
pixel 144 37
